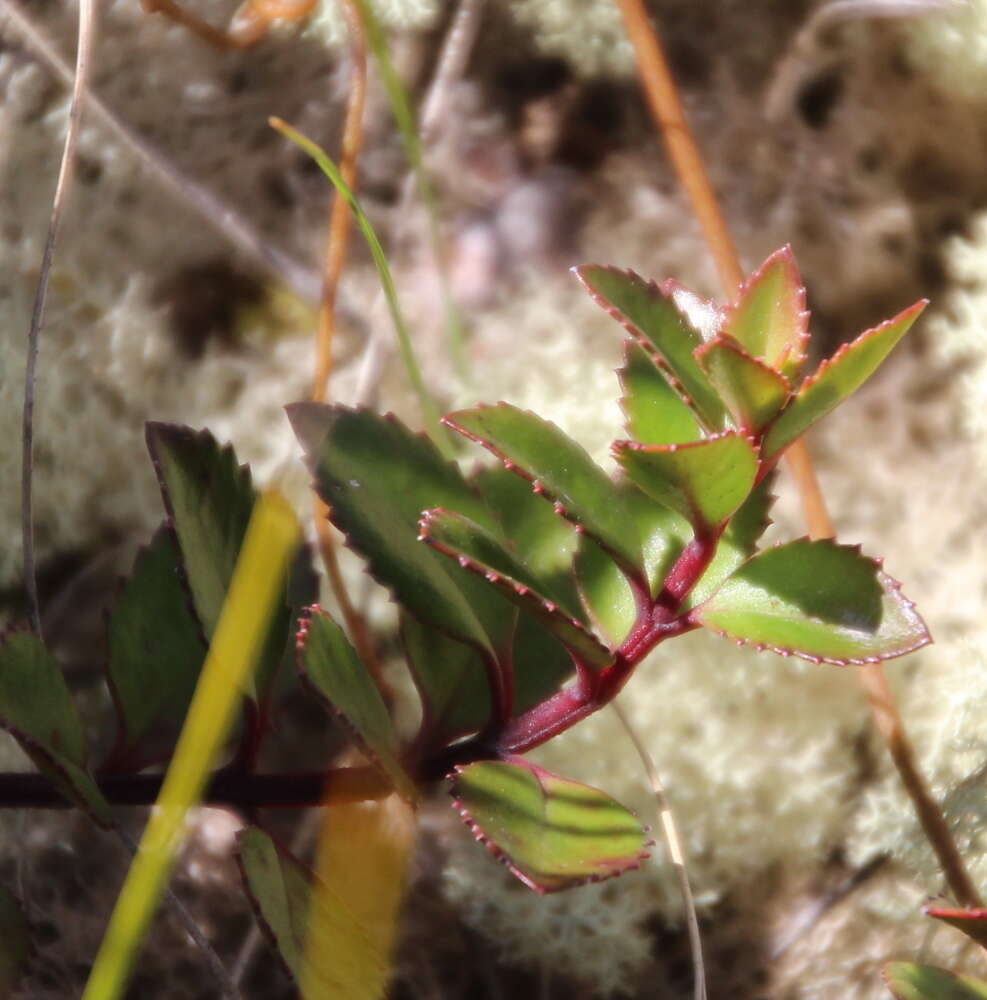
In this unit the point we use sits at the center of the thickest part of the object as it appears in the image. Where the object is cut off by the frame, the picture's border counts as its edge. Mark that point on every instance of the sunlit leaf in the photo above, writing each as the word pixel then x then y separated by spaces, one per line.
pixel 908 981
pixel 37 710
pixel 559 468
pixel 332 667
pixel 655 412
pixel 15 942
pixel 651 316
pixel 550 832
pixel 817 600
pixel 838 378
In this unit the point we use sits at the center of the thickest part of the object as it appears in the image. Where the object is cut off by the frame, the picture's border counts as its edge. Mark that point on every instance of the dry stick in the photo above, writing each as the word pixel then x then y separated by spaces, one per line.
pixel 87 16
pixel 674 842
pixel 222 217
pixel 667 110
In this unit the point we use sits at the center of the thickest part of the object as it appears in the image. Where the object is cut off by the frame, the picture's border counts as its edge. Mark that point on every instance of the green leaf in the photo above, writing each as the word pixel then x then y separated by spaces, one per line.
pixel 335 672
pixel 972 921
pixel 818 600
pixel 155 655
pixel 650 315
pixel 770 320
pixel 655 412
pixel 280 891
pixel 559 468
pixel 451 679
pixel 704 481
pixel 475 549
pixel 377 477
pixel 37 710
pixel 753 392
pixel 908 981
pixel 837 378
pixel 551 833
pixel 15 942
pixel 541 664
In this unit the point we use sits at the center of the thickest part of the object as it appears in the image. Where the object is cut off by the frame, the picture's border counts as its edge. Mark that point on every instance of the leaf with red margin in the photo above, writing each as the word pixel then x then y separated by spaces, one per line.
pixel 769 319
pixel 836 379
pixel 552 833
pixel 909 981
pixel 818 600
pixel 477 550
pixel 650 314
pixel 704 481
pixel 655 413
pixel 972 921
pixel 559 468
pixel 753 392
pixel 330 665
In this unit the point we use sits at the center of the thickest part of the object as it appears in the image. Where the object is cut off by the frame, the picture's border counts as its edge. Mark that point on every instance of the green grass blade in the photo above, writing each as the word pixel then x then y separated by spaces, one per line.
pixel 271 539
pixel 429 410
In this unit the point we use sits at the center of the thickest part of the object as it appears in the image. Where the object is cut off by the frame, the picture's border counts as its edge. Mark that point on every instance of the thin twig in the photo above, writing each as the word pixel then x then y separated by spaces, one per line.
pixel 219 215
pixel 666 107
pixel 674 843
pixel 87 18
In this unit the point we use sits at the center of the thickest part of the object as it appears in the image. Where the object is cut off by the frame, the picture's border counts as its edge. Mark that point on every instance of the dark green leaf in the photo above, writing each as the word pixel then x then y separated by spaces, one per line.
pixel 541 664
pixel 559 468
pixel 15 942
pixel 837 378
pixel 704 481
pixel 655 412
pixel 335 672
pixel 753 392
pixel 550 832
pixel 971 921
pixel 37 710
pixel 908 981
pixel 770 320
pixel 817 600
pixel 650 315
pixel 155 655
pixel 477 550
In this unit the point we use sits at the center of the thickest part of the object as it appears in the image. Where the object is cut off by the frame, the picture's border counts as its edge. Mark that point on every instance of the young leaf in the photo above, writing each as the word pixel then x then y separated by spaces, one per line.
pixel 37 710
pixel 908 981
pixel 703 481
pixel 332 667
pixel 551 833
pixel 559 468
pixel 818 600
pixel 650 315
pixel 15 942
pixel 770 320
pixel 837 378
pixel 655 413
pixel 476 550
pixel 155 655
pixel 753 392
pixel 971 921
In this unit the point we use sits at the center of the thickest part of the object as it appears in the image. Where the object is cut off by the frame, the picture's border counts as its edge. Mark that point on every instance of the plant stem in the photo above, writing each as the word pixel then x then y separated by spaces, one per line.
pixel 666 107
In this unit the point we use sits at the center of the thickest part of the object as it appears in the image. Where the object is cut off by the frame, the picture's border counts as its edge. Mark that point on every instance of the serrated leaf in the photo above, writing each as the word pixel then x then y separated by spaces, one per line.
pixel 769 319
pixel 703 481
pixel 972 921
pixel 651 316
pixel 451 679
pixel 655 412
pixel 836 379
pixel 754 393
pixel 475 549
pixel 909 981
pixel 552 833
pixel 15 942
pixel 377 477
pixel 558 467
pixel 37 710
pixel 818 600
pixel 331 666
pixel 155 655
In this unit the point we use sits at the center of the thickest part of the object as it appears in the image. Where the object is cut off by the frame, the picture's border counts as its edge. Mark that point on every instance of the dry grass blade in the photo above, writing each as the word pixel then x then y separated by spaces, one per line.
pixel 87 15
pixel 674 844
